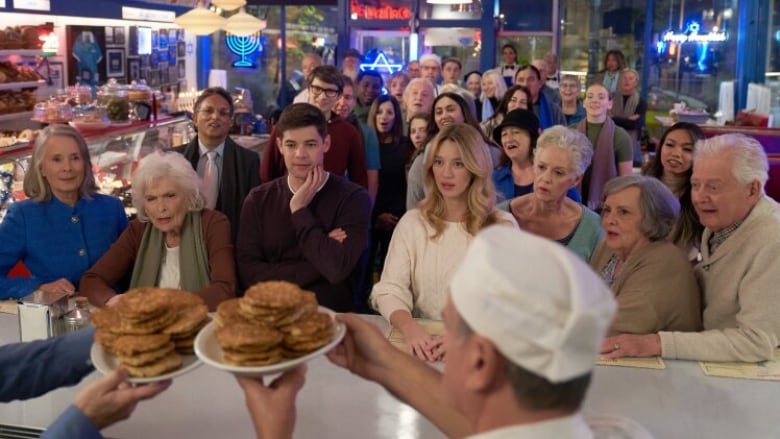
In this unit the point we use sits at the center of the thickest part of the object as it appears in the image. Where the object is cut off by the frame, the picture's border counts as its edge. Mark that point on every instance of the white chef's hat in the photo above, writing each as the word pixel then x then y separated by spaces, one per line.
pixel 542 307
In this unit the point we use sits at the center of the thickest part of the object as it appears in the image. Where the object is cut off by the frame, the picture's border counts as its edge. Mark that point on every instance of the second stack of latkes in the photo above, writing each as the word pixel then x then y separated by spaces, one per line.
pixel 273 320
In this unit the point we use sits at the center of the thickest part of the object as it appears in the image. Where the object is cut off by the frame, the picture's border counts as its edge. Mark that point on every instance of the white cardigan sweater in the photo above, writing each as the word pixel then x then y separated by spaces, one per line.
pixel 418 270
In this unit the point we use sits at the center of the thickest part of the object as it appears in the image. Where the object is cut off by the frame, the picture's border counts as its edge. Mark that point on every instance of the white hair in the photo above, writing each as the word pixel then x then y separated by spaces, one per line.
pixel 431 57
pixel 570 140
pixel 498 80
pixel 749 161
pixel 172 166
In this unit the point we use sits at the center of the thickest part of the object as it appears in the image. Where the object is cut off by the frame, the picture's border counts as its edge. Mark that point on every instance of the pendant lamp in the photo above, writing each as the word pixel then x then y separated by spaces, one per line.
pixel 228 5
pixel 200 20
pixel 243 24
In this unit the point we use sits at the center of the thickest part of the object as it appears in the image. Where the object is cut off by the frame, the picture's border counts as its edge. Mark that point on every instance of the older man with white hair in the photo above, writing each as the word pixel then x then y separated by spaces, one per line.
pixel 738 269
pixel 430 68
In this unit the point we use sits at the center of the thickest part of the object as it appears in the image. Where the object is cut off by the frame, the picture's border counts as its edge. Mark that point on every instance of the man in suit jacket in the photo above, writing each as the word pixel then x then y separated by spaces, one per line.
pixel 234 169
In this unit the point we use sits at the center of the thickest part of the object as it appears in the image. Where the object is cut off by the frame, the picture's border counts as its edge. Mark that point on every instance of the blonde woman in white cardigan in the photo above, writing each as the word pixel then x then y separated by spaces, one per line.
pixel 429 241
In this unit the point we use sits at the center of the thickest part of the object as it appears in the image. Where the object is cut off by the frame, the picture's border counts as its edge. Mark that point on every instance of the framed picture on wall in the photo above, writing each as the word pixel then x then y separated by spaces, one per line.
pixel 182 69
pixel 154 78
pixel 109 35
pixel 119 35
pixel 86 46
pixel 180 34
pixel 133 69
pixel 173 73
pixel 181 49
pixel 155 37
pixel 146 73
pixel 172 37
pixel 163 41
pixel 172 54
pixel 57 74
pixel 115 63
pixel 164 77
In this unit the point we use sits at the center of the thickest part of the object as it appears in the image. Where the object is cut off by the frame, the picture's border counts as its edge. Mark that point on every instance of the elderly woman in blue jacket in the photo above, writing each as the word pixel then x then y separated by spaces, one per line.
pixel 64 226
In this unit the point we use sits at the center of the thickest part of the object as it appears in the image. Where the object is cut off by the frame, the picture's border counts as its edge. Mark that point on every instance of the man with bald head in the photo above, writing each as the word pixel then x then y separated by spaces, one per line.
pixel 309 62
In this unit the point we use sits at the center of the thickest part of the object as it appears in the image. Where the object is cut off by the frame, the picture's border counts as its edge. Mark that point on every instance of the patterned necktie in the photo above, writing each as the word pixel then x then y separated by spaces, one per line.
pixel 211 180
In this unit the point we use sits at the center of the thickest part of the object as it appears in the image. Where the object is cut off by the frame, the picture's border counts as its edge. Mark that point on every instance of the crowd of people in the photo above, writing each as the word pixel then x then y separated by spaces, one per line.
pixel 408 204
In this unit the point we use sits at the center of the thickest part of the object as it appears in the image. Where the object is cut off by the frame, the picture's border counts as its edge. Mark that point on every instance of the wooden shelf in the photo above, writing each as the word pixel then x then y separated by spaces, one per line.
pixel 21 52
pixel 16 116
pixel 21 85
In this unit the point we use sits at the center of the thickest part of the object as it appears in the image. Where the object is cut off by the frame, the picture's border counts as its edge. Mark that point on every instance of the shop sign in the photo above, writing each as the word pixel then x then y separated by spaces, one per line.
pixel 692 35
pixel 35 5
pixel 139 14
pixel 378 12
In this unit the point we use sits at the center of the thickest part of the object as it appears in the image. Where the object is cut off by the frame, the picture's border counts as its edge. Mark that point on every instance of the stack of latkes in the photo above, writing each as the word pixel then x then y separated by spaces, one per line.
pixel 149 328
pixel 273 320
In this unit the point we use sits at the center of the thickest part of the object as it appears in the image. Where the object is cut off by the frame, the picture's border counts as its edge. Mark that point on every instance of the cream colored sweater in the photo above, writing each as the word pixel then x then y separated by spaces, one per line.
pixel 741 284
pixel 418 270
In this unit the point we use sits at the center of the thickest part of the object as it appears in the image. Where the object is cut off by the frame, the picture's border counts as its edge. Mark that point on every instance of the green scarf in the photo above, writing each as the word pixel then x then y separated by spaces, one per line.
pixel 193 257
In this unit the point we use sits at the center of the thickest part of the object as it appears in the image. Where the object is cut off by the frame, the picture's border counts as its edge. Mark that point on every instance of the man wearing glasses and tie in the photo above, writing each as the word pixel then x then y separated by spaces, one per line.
pixel 227 170
pixel 346 156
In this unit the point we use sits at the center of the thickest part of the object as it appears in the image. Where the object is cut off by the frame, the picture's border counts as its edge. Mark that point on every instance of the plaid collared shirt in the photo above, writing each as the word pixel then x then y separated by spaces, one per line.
pixel 721 236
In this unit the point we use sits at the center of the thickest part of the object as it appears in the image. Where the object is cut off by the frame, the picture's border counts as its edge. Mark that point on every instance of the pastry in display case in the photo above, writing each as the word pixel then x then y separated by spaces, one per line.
pixel 114 155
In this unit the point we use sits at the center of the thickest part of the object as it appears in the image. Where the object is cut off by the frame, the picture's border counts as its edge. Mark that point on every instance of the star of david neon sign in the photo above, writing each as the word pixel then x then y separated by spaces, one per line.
pixel 381 63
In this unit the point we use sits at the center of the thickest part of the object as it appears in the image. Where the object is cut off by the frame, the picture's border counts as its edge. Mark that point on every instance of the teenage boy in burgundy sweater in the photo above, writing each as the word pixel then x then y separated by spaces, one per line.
pixel 310 226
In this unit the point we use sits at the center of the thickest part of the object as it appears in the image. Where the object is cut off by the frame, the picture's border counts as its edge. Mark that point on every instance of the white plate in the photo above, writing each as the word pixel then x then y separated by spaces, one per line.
pixel 210 352
pixel 105 363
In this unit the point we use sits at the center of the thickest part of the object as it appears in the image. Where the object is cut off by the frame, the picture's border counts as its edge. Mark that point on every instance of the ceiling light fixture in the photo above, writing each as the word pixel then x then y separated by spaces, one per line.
pixel 243 24
pixel 200 21
pixel 229 5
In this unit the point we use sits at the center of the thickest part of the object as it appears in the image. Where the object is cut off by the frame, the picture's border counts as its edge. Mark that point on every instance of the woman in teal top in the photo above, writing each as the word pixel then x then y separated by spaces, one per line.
pixel 65 226
pixel 561 157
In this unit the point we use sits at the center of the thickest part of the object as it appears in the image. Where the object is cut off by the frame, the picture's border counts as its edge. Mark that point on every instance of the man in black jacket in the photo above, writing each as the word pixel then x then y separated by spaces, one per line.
pixel 228 170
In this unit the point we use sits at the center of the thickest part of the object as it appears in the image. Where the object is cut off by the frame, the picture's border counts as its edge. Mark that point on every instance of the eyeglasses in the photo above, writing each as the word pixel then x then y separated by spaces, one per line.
pixel 329 92
pixel 210 112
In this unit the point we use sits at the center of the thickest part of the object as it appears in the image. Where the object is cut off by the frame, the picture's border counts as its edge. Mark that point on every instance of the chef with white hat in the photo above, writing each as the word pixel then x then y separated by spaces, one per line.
pixel 524 321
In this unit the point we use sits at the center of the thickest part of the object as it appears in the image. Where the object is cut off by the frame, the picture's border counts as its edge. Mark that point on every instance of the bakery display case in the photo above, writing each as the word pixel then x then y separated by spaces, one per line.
pixel 115 152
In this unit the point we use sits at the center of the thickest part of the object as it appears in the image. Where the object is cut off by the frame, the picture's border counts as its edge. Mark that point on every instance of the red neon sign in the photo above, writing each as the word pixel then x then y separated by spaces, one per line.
pixel 379 12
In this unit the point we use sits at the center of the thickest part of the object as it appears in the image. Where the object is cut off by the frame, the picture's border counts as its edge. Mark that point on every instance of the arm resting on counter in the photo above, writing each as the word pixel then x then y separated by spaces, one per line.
pixel 27 370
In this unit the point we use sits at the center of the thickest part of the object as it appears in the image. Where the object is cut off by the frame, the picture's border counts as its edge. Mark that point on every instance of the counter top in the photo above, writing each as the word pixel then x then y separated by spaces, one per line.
pixel 677 402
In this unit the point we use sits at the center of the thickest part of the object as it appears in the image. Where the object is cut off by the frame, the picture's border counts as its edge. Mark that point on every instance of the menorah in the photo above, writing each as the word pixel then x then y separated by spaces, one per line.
pixel 243 46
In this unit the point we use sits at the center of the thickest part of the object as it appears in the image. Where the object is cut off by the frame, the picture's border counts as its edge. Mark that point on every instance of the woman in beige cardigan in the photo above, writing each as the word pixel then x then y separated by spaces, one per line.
pixel 653 282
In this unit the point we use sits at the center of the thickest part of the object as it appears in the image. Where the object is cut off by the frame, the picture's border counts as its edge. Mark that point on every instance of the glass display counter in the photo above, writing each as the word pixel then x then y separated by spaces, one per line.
pixel 114 151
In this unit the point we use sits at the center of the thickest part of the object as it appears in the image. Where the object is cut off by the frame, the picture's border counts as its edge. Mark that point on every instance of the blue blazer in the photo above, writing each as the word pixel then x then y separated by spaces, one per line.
pixel 55 240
